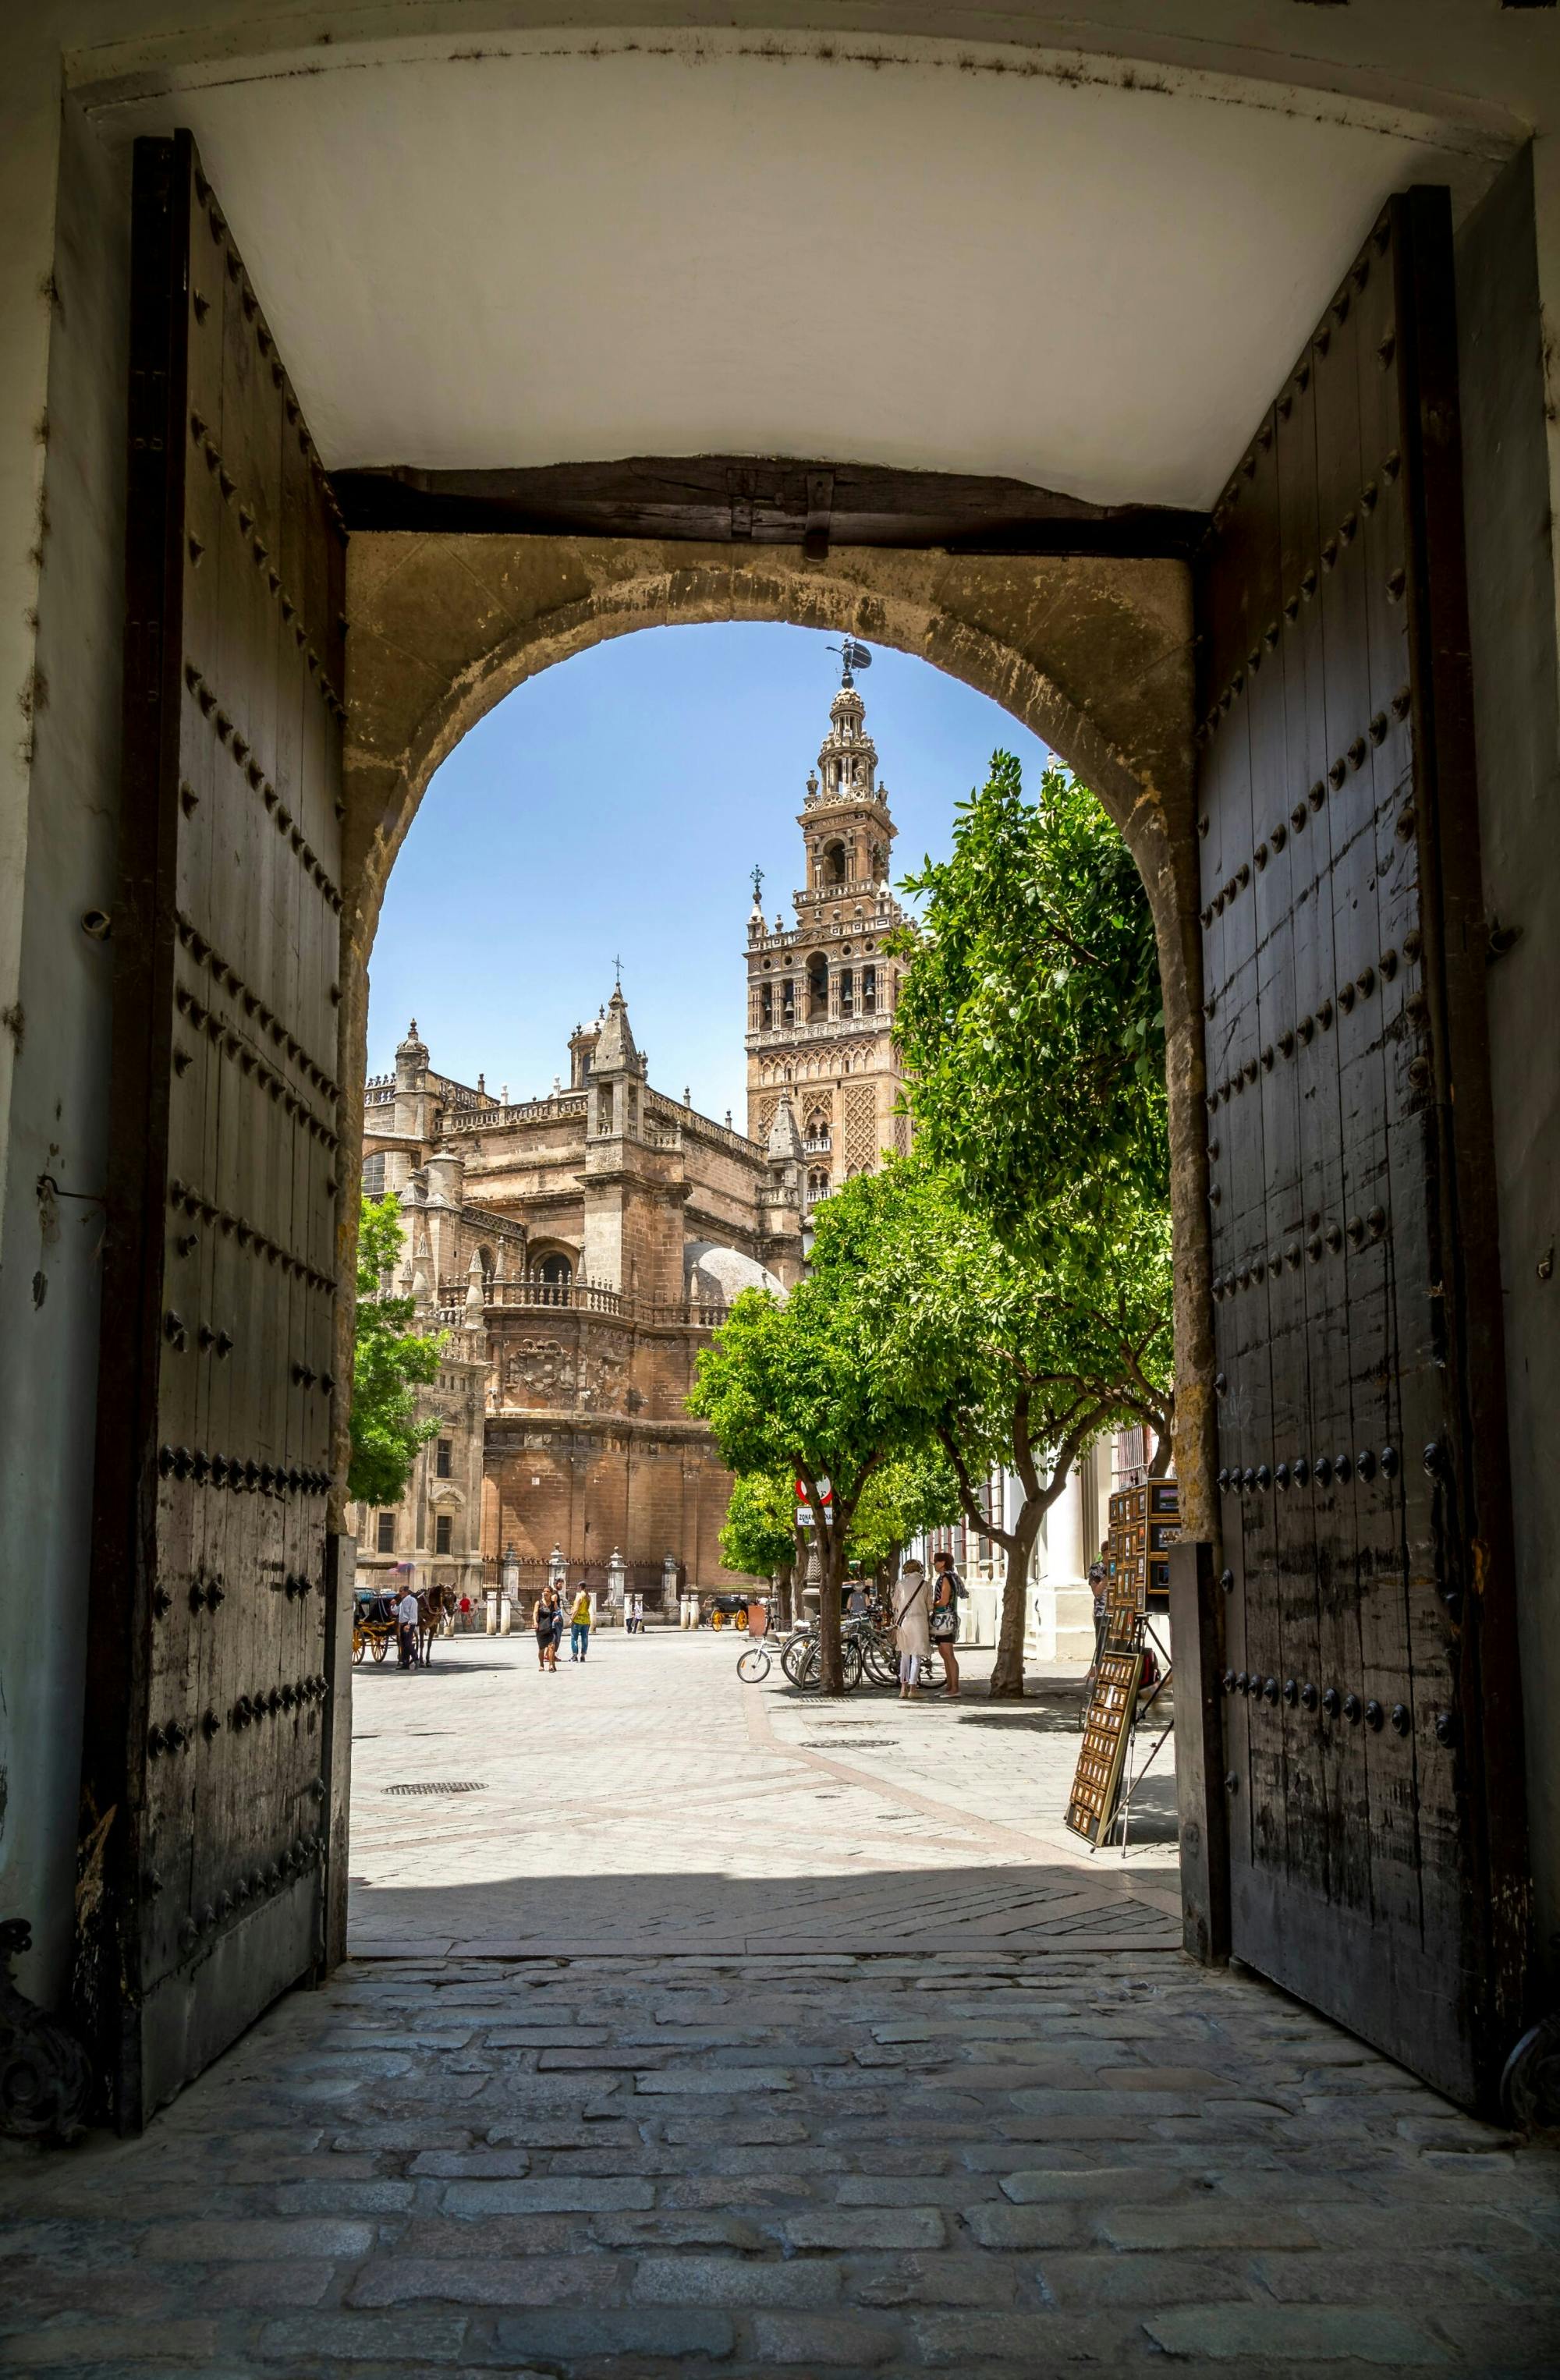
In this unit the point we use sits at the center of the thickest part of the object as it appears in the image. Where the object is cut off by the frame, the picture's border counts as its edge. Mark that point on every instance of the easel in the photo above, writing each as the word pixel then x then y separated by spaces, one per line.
pixel 1145 1518
pixel 1123 1812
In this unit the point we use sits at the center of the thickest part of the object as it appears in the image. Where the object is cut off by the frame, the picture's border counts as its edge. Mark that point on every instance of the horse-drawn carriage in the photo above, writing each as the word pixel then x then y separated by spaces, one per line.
pixel 374 1624
pixel 732 1610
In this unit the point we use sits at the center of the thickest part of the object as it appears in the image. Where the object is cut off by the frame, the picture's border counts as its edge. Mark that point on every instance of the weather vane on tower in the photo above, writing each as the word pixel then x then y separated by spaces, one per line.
pixel 853 656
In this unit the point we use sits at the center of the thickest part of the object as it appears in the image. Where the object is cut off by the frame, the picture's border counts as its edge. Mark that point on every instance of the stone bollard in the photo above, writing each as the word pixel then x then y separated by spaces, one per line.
pixel 506 1615
pixel 491 1599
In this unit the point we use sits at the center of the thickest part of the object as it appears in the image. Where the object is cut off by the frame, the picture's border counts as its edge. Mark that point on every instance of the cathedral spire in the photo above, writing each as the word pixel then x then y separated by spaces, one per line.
pixel 614 1049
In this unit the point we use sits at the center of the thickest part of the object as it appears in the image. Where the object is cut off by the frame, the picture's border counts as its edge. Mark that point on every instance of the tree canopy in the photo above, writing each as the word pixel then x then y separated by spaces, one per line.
pixel 1009 1358
pixel 759 1534
pixel 1030 1020
pixel 800 1386
pixel 390 1363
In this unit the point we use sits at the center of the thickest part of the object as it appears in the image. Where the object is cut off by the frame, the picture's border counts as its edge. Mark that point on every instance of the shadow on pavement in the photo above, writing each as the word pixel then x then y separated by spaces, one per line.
pixel 1015 1907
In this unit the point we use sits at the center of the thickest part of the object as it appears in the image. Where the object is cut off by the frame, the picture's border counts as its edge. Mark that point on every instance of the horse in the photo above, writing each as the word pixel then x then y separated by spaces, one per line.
pixel 434 1604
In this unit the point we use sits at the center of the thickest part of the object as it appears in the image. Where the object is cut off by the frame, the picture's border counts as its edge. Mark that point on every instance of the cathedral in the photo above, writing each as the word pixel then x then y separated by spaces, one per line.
pixel 578 1250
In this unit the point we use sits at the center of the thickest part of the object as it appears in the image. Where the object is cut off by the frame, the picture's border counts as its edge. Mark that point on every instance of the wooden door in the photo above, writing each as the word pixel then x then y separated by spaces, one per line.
pixel 205 1812
pixel 1373 1727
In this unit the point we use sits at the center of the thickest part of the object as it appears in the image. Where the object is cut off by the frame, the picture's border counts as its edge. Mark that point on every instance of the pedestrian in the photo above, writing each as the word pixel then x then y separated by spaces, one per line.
pixel 1099 1574
pixel 579 1626
pixel 638 1613
pixel 948 1591
pixel 546 1639
pixel 856 1595
pixel 912 1626
pixel 406 1629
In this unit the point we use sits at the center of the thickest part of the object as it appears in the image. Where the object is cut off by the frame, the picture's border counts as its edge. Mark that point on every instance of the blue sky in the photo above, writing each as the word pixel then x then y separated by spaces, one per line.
pixel 618 803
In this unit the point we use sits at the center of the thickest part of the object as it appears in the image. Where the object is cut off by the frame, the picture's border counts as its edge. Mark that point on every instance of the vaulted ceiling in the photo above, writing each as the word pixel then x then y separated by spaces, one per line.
pixel 563 247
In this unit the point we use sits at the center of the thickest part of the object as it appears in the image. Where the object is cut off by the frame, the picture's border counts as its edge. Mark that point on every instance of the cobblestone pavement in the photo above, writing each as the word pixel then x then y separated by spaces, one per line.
pixel 1015 2165
pixel 650 1797
pixel 993 2161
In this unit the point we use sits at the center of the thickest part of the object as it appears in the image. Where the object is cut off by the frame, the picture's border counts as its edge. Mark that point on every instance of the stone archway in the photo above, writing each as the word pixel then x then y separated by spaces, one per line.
pixel 1095 655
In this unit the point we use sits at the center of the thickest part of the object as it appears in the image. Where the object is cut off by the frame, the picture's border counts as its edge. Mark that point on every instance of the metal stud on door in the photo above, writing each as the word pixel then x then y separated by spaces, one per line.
pixel 203 1825
pixel 1371 1724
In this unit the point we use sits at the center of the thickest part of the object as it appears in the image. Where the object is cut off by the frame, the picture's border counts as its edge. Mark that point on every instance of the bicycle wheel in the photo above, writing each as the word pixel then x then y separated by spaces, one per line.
pixel 794 1654
pixel 811 1676
pixel 933 1677
pixel 753 1666
pixel 880 1660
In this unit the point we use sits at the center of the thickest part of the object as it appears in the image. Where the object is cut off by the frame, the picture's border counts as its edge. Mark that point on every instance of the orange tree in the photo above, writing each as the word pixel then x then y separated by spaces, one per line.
pixel 800 1386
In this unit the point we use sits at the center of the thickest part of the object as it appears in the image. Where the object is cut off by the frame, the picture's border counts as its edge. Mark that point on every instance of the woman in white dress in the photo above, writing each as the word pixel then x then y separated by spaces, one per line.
pixel 912 1618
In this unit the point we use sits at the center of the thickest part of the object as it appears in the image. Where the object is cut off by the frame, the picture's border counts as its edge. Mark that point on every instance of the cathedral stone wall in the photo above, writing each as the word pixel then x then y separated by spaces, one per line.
pixel 553 1240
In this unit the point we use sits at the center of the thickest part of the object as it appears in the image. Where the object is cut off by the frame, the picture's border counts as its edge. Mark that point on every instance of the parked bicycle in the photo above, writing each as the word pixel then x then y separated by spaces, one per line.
pixel 867 1651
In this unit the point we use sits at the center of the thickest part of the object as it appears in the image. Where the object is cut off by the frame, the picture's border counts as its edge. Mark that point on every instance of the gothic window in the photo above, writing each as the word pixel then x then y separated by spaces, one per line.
pixel 847 992
pixel 833 863
pixel 818 1129
pixel 766 1005
pixel 817 986
pixel 385 1535
pixel 443 1528
pixel 817 1182
pixel 442 1465
pixel 869 991
pixel 373 1175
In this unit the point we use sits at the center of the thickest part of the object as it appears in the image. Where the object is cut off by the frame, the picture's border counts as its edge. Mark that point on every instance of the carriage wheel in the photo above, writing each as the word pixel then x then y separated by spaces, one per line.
pixel 717 1620
pixel 360 1643
pixel 381 1646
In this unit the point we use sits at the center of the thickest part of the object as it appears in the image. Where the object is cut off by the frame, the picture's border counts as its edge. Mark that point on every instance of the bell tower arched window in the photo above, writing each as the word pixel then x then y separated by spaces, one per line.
pixel 817 986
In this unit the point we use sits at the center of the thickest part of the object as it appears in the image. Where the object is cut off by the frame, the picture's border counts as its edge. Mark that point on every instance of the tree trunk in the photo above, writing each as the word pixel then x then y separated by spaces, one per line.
pixel 830 1565
pixel 1007 1671
pixel 1164 1454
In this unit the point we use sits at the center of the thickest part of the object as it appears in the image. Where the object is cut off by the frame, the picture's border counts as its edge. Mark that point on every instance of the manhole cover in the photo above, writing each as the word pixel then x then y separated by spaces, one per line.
pixel 436 1789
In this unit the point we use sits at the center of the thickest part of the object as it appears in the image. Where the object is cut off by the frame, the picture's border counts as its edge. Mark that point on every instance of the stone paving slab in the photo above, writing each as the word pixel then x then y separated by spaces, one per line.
pixel 646 1799
pixel 314 2209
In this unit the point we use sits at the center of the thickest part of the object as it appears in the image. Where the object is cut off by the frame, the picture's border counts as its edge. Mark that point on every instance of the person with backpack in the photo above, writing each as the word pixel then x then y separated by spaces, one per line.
pixel 948 1591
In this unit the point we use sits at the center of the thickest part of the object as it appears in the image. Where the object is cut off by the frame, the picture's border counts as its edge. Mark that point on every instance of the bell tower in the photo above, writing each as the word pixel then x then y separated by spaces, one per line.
pixel 821 994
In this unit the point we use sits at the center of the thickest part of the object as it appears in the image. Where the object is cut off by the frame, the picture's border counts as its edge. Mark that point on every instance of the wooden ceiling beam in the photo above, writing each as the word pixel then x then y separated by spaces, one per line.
pixel 741 500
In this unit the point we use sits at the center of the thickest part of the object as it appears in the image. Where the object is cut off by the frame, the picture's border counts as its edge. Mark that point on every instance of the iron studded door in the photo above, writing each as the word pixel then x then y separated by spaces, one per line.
pixel 1372 1722
pixel 204 1812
